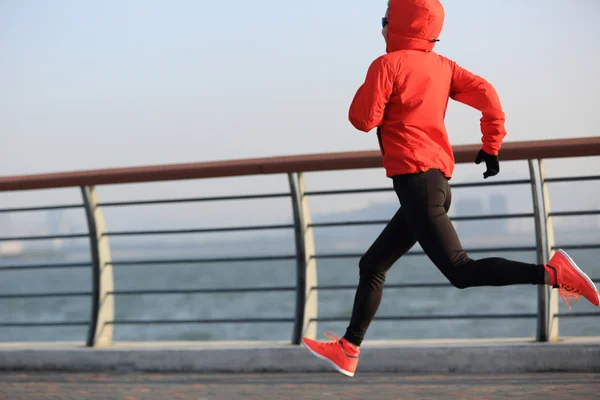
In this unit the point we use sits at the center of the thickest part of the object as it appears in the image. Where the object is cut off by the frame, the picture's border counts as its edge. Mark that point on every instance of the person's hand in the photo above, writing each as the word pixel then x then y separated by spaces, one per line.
pixel 491 162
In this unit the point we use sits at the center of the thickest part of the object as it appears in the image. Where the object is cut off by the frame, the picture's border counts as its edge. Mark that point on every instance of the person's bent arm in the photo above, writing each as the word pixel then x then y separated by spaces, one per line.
pixel 478 93
pixel 368 105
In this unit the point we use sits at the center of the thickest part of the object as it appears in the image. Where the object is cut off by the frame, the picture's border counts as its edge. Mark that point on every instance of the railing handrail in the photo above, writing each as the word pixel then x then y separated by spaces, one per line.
pixel 539 149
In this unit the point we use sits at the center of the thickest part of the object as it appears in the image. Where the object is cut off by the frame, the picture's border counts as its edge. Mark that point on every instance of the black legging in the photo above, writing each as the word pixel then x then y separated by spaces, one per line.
pixel 425 199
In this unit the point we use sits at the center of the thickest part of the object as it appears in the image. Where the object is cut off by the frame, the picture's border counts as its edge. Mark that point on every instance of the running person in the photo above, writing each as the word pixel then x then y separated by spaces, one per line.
pixel 404 96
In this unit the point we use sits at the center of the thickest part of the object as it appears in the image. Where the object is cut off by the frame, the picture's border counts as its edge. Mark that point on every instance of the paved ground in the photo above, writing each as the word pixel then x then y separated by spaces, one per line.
pixel 64 386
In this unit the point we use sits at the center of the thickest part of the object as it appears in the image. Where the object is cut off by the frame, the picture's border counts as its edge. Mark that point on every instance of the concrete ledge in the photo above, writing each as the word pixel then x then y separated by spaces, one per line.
pixel 460 356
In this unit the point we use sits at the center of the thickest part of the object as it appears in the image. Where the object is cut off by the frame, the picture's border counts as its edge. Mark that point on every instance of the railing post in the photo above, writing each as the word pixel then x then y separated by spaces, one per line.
pixel 553 332
pixel 306 264
pixel 541 255
pixel 100 331
pixel 547 324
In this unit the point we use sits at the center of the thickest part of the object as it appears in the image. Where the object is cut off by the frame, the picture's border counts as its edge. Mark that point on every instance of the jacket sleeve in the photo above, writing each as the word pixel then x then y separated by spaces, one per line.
pixel 476 92
pixel 368 105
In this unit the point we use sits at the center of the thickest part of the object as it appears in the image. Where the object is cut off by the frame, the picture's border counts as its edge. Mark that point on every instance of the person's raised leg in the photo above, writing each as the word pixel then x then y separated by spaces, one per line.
pixel 427 200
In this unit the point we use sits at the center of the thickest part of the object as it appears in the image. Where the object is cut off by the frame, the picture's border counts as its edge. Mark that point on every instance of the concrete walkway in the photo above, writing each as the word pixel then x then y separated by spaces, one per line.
pixel 450 356
pixel 32 386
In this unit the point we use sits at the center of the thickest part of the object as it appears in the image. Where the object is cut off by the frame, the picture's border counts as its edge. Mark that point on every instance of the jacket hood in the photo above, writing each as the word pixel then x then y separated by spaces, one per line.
pixel 414 24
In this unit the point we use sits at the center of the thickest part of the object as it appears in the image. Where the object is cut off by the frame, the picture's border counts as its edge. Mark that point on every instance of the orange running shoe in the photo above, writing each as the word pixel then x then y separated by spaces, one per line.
pixel 341 354
pixel 570 280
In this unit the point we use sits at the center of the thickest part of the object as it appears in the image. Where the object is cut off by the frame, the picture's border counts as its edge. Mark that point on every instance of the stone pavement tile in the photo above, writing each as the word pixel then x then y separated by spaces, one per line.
pixel 133 386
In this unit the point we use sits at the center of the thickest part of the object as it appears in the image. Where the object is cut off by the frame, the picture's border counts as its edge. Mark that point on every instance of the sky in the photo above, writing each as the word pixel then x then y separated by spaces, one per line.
pixel 87 85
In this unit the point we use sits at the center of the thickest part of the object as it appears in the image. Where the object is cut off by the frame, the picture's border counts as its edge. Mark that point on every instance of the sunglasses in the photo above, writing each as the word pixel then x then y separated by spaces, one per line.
pixel 384 22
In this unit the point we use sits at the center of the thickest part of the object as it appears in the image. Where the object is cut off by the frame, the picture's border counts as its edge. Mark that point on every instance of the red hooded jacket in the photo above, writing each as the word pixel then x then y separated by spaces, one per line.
pixel 406 92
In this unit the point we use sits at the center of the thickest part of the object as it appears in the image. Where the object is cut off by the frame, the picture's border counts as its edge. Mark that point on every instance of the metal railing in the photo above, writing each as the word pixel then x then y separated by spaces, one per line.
pixel 102 316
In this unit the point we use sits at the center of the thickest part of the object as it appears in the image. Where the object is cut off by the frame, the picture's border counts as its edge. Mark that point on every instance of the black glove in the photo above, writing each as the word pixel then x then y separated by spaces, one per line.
pixel 491 162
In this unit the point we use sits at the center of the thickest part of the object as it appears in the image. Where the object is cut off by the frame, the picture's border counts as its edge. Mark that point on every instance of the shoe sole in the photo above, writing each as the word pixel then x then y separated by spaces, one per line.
pixel 580 272
pixel 340 370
